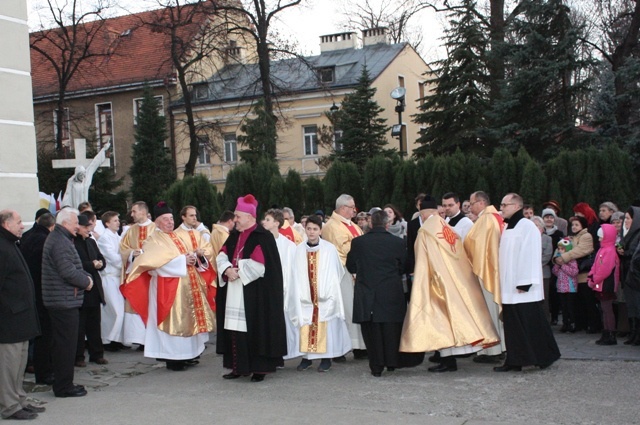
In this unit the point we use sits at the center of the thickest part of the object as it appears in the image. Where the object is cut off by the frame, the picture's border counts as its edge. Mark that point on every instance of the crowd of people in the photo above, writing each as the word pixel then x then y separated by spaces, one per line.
pixel 460 278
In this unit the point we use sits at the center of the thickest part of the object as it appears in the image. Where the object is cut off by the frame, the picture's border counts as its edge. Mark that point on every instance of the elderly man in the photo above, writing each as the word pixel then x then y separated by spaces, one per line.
pixel 482 246
pixel 291 218
pixel 379 305
pixel 130 248
pixel 447 311
pixel 250 306
pixel 63 284
pixel 528 335
pixel 340 231
pixel 18 320
pixel 168 288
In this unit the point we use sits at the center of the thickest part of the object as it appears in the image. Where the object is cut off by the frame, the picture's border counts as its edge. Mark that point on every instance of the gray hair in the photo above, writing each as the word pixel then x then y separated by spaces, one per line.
pixel 343 199
pixel 610 205
pixel 6 216
pixel 516 199
pixel 538 221
pixel 65 214
pixel 289 211
pixel 482 196
pixel 379 219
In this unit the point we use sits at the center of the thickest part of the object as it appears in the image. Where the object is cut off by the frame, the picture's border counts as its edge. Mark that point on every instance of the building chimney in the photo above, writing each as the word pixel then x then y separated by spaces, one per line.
pixel 343 40
pixel 375 36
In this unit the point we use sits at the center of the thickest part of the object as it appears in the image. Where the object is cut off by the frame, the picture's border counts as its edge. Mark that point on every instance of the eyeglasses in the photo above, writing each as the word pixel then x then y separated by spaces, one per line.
pixel 353 207
pixel 504 205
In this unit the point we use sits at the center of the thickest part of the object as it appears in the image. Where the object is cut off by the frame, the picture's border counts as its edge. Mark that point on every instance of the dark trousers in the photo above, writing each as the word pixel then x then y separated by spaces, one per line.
pixel 64 334
pixel 568 301
pixel 42 346
pixel 554 298
pixel 587 313
pixel 383 344
pixel 89 326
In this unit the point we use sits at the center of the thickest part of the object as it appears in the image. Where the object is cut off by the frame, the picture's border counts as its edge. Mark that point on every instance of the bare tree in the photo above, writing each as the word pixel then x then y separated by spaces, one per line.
pixel 70 41
pixel 255 19
pixel 197 39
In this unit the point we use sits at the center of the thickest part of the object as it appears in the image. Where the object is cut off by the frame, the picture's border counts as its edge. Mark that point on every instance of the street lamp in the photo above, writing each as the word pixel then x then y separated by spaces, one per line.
pixel 396 131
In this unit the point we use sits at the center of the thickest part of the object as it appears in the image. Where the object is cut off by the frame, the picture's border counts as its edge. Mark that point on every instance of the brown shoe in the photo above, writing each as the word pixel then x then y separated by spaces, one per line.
pixel 80 363
pixel 101 360
pixel 23 414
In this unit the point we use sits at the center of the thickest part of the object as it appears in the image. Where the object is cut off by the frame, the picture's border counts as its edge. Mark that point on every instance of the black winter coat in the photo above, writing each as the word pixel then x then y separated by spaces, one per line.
pixel 32 245
pixel 18 316
pixel 378 259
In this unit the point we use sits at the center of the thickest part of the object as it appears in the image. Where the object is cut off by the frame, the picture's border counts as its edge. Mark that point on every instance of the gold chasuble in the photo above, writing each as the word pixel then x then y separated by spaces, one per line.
pixel 482 246
pixel 340 231
pixel 313 337
pixel 447 307
pixel 133 239
pixel 183 309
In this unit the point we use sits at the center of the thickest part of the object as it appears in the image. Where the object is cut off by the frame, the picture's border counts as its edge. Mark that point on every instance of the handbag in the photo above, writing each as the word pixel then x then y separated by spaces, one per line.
pixel 585 263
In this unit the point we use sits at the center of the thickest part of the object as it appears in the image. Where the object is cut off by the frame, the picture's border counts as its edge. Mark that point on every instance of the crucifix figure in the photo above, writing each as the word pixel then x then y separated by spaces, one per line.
pixel 79 183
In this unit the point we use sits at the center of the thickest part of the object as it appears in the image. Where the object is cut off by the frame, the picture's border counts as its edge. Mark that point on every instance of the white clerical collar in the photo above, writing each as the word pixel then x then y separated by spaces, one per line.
pixel 185 227
pixel 146 223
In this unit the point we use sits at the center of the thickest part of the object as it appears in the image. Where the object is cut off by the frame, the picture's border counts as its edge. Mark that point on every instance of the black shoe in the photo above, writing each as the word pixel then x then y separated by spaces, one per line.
pixel 304 365
pixel 177 366
pixel 435 358
pixel 33 409
pixel 140 348
pixel 507 368
pixel 23 414
pixel 442 368
pixel 231 376
pixel 74 392
pixel 191 362
pixel 325 365
pixel 257 377
pixel 111 347
pixel 340 359
pixel 377 374
pixel 390 369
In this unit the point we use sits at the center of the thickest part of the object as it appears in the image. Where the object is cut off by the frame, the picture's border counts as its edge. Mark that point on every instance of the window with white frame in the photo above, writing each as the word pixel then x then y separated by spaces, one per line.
pixel 104 123
pixel 337 137
pixel 137 105
pixel 66 124
pixel 230 147
pixel 200 91
pixel 204 153
pixel 310 134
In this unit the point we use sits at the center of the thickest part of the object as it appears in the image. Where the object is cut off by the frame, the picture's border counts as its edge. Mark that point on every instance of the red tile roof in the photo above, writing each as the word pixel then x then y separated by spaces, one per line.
pixel 131 51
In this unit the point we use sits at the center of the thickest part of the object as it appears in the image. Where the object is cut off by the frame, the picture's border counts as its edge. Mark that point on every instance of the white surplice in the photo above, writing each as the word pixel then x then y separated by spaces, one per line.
pixel 112 322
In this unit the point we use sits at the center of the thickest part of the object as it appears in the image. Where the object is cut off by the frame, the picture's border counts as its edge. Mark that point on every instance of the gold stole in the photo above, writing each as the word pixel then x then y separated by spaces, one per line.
pixel 198 303
pixel 313 337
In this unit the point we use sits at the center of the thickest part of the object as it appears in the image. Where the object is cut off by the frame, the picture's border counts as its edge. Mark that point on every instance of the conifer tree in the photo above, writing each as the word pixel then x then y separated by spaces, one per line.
pixel 363 130
pixel 454 113
pixel 313 195
pixel 342 177
pixel 378 181
pixel 260 136
pixel 197 191
pixel 293 192
pixel 405 188
pixel 239 182
pixel 152 170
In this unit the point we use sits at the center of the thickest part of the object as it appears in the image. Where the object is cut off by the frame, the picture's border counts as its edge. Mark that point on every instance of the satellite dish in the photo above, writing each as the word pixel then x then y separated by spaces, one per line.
pixel 398 93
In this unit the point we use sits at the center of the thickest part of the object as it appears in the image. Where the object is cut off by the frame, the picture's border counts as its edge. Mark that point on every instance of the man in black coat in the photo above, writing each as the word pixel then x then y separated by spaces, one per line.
pixel 31 246
pixel 18 320
pixel 378 260
pixel 90 312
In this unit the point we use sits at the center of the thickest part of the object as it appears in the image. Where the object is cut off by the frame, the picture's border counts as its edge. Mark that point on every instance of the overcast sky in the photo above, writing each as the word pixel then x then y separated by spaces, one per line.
pixel 304 23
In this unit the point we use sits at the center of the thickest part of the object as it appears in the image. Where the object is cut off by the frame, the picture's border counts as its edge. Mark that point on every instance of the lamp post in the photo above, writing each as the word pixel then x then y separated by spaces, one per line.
pixel 398 94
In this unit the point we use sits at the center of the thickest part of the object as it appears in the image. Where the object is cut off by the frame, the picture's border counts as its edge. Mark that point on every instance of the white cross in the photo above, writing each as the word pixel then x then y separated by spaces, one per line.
pixel 80 150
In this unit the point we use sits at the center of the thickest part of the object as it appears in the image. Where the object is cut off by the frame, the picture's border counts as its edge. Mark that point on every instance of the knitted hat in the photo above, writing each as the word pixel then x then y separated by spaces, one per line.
pixel 548 211
pixel 566 243
pixel 247 204
pixel 428 203
pixel 161 208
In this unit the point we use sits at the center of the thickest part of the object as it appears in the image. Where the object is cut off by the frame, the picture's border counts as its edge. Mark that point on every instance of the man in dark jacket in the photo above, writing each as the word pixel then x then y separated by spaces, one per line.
pixel 31 246
pixel 63 285
pixel 90 317
pixel 18 320
pixel 378 259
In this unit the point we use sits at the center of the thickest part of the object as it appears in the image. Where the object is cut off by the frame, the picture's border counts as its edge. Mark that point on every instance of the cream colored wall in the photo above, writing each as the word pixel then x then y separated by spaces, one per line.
pixel 308 109
pixel 83 116
pixel 18 168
